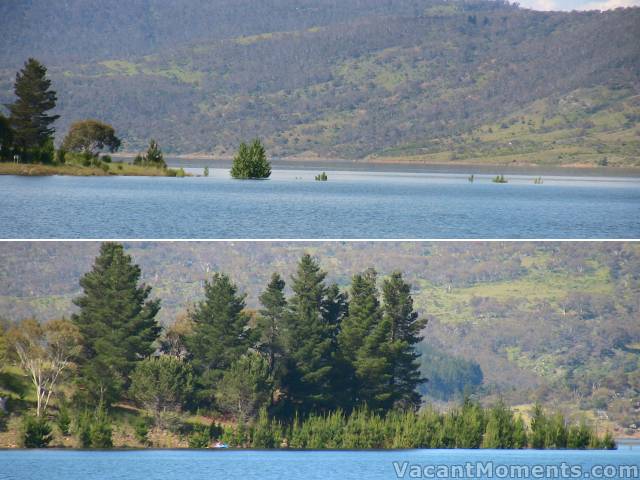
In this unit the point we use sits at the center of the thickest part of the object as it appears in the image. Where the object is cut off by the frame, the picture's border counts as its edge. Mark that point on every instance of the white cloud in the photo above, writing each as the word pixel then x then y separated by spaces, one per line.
pixel 541 5
pixel 609 4
pixel 568 5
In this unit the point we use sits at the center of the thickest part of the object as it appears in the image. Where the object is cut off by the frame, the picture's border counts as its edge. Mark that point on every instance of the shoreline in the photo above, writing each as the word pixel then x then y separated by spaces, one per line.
pixel 115 169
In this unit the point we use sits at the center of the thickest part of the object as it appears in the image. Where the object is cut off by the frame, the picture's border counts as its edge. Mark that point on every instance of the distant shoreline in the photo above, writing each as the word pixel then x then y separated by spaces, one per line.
pixel 114 169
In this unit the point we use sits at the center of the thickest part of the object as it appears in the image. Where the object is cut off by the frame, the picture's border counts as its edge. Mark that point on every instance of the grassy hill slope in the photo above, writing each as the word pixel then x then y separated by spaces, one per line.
pixel 420 80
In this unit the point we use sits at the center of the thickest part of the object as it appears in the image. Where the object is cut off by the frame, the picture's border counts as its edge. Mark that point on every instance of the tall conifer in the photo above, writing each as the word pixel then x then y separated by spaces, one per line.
pixel 117 322
pixel 221 332
pixel 28 114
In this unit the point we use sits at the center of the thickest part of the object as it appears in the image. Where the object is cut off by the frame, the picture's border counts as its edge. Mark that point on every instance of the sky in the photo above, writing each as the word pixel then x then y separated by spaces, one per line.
pixel 568 5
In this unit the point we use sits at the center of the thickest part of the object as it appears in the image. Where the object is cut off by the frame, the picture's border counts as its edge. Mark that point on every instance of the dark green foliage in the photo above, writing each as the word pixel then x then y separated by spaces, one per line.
pixel 362 342
pixel 245 387
pixel 141 430
pixel 322 177
pixel 91 137
pixel 63 420
pixel 579 436
pixel 6 139
pixel 402 328
pixel 499 179
pixel 538 427
pixel 449 377
pixel 309 340
pixel 265 433
pixel 500 427
pixel 161 383
pixel 117 321
pixel 206 171
pixel 37 432
pixel 251 162
pixel 200 437
pixel 270 323
pixel 220 333
pixel 94 429
pixel 28 114
pixel 153 157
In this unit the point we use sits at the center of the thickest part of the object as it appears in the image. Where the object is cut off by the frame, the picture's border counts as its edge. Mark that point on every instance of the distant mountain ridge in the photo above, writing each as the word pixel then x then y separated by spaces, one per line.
pixel 473 81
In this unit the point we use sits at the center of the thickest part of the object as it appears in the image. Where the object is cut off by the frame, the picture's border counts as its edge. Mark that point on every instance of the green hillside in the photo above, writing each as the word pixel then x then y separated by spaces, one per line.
pixel 427 81
pixel 555 322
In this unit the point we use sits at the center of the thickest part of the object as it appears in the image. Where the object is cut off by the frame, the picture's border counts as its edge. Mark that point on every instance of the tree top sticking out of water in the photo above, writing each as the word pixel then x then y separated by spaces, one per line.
pixel 251 162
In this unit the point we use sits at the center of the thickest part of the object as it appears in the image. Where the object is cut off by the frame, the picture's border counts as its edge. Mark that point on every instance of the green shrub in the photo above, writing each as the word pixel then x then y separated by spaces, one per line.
pixel 94 429
pixel 141 430
pixel 63 420
pixel 200 437
pixel 37 432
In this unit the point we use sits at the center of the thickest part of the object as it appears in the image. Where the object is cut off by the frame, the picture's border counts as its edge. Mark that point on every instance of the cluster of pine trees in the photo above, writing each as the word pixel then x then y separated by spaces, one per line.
pixel 251 162
pixel 468 426
pixel 315 351
pixel 318 368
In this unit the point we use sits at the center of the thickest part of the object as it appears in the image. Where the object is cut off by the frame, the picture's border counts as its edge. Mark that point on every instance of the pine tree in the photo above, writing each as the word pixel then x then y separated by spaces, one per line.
pixel 28 117
pixel 220 332
pixel 154 155
pixel 251 162
pixel 404 327
pixel 6 138
pixel 117 323
pixel 309 340
pixel 270 321
pixel 358 347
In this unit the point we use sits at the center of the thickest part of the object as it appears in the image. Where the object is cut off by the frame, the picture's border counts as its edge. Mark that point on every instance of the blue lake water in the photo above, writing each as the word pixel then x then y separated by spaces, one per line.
pixel 292 205
pixel 311 465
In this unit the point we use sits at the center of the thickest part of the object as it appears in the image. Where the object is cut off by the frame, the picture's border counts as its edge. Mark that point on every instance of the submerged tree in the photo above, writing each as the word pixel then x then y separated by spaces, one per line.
pixel 28 114
pixel 117 322
pixel 91 137
pixel 251 162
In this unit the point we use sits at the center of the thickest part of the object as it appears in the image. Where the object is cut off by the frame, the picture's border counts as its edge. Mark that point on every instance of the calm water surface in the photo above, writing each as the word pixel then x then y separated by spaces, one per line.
pixel 292 205
pixel 263 465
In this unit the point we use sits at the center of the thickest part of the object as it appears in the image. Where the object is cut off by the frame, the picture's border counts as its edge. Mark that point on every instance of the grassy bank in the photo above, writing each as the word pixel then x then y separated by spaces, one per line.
pixel 116 168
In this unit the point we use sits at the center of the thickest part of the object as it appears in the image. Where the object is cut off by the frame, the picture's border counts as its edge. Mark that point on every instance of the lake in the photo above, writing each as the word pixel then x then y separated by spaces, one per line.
pixel 309 465
pixel 352 204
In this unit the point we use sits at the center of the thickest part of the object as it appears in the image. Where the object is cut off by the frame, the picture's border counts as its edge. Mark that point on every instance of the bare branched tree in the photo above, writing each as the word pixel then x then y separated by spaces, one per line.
pixel 44 352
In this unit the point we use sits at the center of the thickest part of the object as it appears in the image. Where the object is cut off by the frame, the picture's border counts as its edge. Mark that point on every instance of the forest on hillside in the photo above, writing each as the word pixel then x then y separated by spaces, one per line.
pixel 428 80
pixel 547 321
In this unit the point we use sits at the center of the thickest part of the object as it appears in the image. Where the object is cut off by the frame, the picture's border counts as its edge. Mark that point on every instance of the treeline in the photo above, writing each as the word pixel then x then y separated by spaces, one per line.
pixel 303 371
pixel 27 134
pixel 315 351
pixel 468 426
